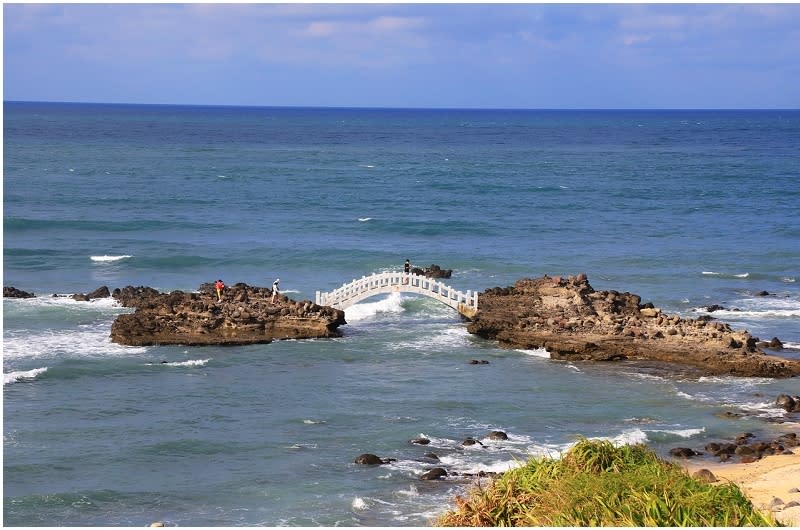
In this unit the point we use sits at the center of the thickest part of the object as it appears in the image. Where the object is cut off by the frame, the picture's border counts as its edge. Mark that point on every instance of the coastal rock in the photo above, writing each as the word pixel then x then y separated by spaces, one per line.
pixel 100 292
pixel 434 474
pixel 13 292
pixel 683 452
pixel 788 403
pixel 744 448
pixel 245 315
pixel 498 435
pixel 369 459
pixel 573 322
pixel 434 271
pixel 705 475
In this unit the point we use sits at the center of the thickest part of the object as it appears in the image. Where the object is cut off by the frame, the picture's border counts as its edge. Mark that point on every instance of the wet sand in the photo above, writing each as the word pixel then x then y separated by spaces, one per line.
pixel 771 483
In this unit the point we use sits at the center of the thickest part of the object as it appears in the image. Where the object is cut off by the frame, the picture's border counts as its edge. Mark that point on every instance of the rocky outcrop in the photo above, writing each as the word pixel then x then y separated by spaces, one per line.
pixel 245 315
pixel 574 322
pixel 100 292
pixel 13 292
pixel 743 449
pixel 788 403
pixel 434 271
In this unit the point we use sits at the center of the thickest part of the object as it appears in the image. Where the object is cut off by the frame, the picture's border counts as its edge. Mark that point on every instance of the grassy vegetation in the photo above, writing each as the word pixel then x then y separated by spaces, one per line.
pixel 598 484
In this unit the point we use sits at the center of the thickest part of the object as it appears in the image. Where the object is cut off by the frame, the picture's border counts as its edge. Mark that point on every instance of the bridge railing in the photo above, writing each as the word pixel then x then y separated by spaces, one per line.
pixel 387 282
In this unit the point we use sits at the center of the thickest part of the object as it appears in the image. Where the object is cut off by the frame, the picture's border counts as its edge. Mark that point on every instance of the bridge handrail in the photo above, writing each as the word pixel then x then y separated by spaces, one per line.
pixel 397 281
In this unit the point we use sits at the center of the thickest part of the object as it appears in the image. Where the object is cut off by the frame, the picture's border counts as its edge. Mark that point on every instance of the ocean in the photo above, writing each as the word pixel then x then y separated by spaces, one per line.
pixel 684 208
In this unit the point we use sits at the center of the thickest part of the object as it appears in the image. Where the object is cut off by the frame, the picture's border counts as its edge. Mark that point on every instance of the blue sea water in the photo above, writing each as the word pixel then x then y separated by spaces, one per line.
pixel 684 208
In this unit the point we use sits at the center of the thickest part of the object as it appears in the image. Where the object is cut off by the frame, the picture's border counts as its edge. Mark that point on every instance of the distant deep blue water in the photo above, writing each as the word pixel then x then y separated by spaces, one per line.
pixel 685 208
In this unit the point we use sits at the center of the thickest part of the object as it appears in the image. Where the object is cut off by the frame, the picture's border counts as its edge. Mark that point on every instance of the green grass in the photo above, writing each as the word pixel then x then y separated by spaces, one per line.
pixel 598 484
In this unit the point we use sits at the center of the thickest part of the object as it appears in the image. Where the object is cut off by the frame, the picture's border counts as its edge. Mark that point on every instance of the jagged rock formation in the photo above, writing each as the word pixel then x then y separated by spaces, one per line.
pixel 13 292
pixel 244 316
pixel 572 321
pixel 434 271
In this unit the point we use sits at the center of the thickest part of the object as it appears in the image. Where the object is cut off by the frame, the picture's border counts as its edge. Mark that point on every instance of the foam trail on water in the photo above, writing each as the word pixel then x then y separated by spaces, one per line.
pixel 14 377
pixel 106 258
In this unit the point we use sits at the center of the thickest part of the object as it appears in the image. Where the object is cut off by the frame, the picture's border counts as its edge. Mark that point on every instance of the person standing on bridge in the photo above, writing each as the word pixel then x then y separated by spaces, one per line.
pixel 407 270
pixel 275 290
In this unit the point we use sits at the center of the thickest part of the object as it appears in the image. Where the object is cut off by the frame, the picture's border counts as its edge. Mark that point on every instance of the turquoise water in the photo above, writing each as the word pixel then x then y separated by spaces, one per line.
pixel 685 208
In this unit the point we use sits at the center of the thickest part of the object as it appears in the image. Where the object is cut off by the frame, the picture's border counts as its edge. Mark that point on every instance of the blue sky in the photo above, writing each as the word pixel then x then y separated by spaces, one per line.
pixel 406 55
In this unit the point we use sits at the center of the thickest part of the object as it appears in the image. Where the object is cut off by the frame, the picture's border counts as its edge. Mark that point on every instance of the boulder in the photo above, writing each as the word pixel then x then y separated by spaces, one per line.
pixel 705 475
pixel 683 452
pixel 100 292
pixel 434 474
pixel 368 459
pixel 788 403
pixel 434 271
pixel 13 292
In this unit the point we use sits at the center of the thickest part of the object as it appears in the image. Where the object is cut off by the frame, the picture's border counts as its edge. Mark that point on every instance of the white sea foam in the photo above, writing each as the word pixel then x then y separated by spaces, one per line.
pixel 741 275
pixel 88 340
pixel 105 258
pixel 682 433
pixel 314 422
pixel 190 362
pixel 411 491
pixel 365 219
pixel 630 437
pixel 791 345
pixel 442 339
pixel 538 352
pixel 359 504
pixel 28 375
pixel 788 279
pixel 366 310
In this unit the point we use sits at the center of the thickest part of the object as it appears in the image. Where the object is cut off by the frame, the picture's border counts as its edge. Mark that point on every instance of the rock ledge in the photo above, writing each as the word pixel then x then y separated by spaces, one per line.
pixel 574 322
pixel 244 316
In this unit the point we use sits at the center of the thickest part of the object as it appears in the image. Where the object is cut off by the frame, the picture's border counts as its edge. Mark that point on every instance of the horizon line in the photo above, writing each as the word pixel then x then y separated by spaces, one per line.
pixel 347 107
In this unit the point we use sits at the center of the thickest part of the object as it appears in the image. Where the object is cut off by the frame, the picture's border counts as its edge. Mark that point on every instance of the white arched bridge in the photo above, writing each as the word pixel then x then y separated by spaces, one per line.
pixel 466 303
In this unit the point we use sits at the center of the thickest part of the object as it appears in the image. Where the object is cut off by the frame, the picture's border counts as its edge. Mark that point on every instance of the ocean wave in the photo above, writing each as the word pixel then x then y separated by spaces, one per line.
pixel 88 340
pixel 444 339
pixel 27 375
pixel 740 275
pixel 106 258
pixel 364 219
pixel 537 352
pixel 368 310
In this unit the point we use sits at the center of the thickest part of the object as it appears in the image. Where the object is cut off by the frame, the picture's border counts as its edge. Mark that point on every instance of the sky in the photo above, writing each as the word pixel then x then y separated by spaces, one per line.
pixel 424 55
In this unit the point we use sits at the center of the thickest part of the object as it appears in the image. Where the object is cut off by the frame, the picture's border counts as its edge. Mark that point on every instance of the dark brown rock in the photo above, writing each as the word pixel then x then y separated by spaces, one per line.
pixel 245 315
pixel 498 435
pixel 13 292
pixel 705 475
pixel 368 459
pixel 574 322
pixel 434 474
pixel 434 271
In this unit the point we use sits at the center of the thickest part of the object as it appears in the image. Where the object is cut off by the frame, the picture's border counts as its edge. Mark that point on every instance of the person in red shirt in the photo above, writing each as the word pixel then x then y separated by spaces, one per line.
pixel 219 285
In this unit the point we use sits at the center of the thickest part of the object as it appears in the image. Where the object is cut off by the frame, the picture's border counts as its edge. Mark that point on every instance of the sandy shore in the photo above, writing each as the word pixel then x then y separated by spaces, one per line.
pixel 763 481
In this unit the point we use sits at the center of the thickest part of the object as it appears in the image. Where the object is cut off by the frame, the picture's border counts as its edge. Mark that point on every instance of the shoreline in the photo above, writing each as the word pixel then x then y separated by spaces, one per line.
pixel 762 481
